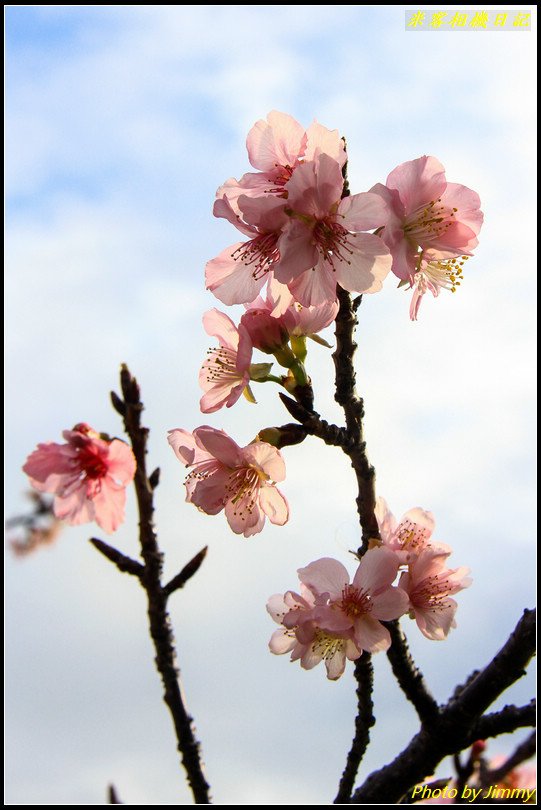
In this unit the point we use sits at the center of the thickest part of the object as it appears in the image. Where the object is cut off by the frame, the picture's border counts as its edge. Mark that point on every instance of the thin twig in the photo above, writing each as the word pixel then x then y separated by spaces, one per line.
pixel 364 674
pixel 191 568
pixel 122 562
pixel 160 626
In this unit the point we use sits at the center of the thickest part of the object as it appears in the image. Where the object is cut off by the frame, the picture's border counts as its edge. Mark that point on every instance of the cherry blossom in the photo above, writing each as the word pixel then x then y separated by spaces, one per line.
pixel 88 476
pixel 408 537
pixel 429 586
pixel 431 223
pixel 239 480
pixel 225 373
pixel 340 619
pixel 323 244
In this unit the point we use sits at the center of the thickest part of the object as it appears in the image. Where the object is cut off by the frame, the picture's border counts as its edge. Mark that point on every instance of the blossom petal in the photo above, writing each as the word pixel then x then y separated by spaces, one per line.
pixel 297 252
pixel 370 635
pixel 278 140
pixel 315 287
pixel 221 446
pixel 219 325
pixel 183 444
pixel 277 607
pixel 418 181
pixel 325 576
pixel 377 570
pixel 367 266
pixel 336 664
pixel 389 605
pixel 274 505
pixel 282 641
pixel 322 140
pixel 386 519
pixel 120 462
pixel 435 623
pixel 267 458
pixel 230 280
pixel 363 212
pixel 109 504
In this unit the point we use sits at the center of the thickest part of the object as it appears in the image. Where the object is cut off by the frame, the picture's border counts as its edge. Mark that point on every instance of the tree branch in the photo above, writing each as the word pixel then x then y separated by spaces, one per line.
pixel 509 719
pixel 364 674
pixel 130 406
pixel 353 407
pixel 457 725
pixel 409 677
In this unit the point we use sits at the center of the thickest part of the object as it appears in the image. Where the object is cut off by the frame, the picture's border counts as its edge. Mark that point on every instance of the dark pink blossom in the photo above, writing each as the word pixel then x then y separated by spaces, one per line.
pixel 88 476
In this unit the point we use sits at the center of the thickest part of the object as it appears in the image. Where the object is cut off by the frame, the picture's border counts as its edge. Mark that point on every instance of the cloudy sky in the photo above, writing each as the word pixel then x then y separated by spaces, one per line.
pixel 121 123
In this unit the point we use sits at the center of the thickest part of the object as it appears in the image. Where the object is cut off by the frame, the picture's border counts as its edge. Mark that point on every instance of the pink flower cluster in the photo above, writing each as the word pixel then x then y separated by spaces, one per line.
pixel 88 476
pixel 300 231
pixel 305 235
pixel 332 620
pixel 425 577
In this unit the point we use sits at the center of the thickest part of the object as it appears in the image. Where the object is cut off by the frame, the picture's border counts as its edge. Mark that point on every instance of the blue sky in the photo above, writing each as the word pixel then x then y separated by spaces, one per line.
pixel 121 123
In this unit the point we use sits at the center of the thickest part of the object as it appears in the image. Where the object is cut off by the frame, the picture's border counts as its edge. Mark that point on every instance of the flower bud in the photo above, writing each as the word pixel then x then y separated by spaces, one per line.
pixel 266 333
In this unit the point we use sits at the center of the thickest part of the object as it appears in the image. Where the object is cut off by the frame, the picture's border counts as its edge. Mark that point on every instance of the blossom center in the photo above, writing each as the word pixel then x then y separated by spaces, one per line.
pixel 333 241
pixel 221 365
pixel 428 222
pixel 446 274
pixel 91 465
pixel 326 645
pixel 354 602
pixel 280 177
pixel 259 253
pixel 242 489
pixel 411 536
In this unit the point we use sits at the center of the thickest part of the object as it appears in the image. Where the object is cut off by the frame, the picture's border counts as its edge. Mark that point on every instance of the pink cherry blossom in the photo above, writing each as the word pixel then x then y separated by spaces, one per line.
pixel 430 221
pixel 410 535
pixel 276 147
pixel 240 480
pixel 323 245
pixel 226 372
pixel 88 476
pixel 340 619
pixel 429 586
pixel 237 275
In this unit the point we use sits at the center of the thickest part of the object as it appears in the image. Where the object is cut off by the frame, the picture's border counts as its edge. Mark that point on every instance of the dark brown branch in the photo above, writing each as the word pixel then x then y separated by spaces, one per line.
pixel 509 719
pixel 122 562
pixel 112 795
pixel 457 725
pixel 364 674
pixel 313 424
pixel 160 626
pixel 353 407
pixel 523 752
pixel 410 679
pixel 191 568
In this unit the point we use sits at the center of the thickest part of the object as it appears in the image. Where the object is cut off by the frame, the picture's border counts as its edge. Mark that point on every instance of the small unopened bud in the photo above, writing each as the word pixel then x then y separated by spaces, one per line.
pixel 282 436
pixel 266 333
